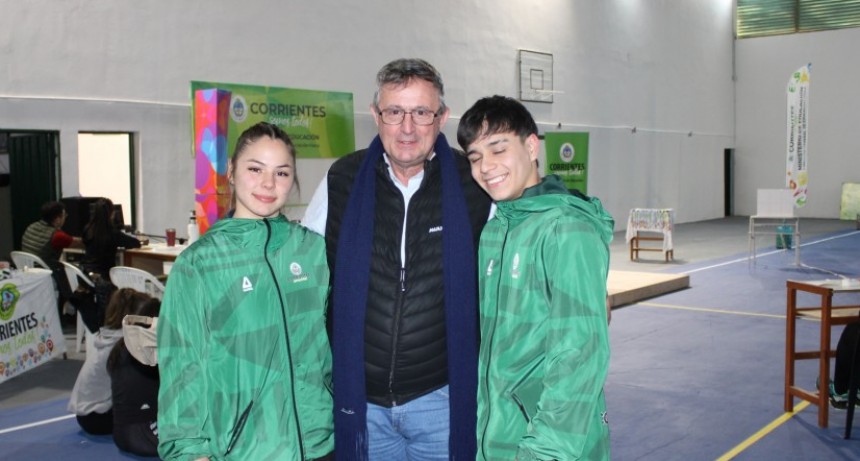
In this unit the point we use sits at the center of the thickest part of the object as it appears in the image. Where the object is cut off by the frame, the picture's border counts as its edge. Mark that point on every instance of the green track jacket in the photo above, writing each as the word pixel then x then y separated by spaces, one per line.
pixel 242 348
pixel 542 268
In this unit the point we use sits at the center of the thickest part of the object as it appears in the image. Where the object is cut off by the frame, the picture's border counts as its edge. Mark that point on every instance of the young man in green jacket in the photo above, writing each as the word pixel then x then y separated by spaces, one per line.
pixel 542 267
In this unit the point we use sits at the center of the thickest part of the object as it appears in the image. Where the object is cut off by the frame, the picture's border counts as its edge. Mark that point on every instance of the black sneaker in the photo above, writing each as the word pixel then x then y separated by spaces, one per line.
pixel 838 401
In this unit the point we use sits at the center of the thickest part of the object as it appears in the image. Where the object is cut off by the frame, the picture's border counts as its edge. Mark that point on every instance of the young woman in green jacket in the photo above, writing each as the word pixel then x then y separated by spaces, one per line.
pixel 244 357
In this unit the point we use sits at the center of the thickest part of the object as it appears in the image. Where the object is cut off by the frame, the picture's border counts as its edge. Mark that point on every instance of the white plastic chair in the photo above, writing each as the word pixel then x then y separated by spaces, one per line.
pixel 23 259
pixel 774 208
pixel 82 334
pixel 138 279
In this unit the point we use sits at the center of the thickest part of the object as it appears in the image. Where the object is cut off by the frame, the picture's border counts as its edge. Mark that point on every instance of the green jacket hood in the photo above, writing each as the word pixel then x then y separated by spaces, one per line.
pixel 551 193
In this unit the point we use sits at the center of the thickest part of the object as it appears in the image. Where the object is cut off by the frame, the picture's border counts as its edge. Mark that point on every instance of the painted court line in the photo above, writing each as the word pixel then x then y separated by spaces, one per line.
pixel 745 259
pixel 763 432
pixel 785 416
pixel 35 424
pixel 717 311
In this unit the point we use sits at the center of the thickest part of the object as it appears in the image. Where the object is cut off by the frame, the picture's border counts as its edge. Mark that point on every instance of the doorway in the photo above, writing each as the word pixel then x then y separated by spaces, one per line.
pixel 32 163
pixel 728 181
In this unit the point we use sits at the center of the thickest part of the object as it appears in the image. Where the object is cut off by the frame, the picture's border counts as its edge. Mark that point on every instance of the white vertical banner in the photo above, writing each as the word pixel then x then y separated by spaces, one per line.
pixel 797 118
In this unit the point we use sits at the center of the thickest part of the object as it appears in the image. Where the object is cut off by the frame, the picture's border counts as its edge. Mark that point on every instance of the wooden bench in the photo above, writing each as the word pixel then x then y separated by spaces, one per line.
pixel 636 247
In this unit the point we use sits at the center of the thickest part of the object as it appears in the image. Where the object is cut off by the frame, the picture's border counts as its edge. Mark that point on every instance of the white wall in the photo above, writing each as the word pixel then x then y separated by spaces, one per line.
pixel 764 66
pixel 662 66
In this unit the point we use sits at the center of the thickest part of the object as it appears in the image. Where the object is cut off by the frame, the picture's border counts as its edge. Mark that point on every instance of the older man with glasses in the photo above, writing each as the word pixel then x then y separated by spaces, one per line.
pixel 402 219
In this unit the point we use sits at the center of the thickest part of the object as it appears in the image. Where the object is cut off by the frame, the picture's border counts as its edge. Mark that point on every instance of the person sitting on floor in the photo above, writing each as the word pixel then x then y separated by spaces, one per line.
pixel 91 397
pixel 133 370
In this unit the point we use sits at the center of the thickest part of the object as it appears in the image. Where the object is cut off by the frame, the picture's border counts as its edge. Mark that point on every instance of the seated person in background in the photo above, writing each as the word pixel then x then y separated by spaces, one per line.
pixel 44 238
pixel 102 238
pixel 134 383
pixel 91 397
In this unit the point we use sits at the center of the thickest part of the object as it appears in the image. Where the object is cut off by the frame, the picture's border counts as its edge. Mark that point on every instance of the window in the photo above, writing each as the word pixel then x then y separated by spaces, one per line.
pixel 759 18
pixel 105 169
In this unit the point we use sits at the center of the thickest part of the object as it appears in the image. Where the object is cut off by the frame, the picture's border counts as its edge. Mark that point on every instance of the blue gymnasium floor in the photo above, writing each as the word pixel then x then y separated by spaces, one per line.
pixel 46 431
pixel 695 375
pixel 698 374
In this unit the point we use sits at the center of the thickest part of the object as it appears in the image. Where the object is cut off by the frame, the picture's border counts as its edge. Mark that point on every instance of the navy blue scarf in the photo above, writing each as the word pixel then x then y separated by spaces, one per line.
pixel 351 281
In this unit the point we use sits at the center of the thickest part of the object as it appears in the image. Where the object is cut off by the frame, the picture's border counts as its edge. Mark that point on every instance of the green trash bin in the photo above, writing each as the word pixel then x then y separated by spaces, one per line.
pixel 783 237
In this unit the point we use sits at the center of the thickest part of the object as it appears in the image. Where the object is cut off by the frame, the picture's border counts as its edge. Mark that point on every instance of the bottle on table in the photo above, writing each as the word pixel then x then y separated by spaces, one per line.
pixel 193 230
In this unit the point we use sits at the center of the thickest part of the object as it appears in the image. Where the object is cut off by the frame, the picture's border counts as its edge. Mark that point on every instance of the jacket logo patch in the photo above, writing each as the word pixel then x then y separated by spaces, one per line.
pixel 246 284
pixel 296 270
pixel 435 229
pixel 515 266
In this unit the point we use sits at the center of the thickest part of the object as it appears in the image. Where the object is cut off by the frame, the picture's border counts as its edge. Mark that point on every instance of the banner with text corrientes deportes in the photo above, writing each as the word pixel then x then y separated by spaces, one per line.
pixel 797 120
pixel 320 123
pixel 567 157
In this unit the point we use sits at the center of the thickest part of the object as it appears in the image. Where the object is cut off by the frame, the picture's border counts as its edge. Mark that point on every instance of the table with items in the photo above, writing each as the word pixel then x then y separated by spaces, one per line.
pixel 644 221
pixel 155 258
pixel 30 330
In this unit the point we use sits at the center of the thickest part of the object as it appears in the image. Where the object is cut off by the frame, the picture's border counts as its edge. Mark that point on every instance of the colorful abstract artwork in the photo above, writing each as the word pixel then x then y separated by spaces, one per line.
pixel 212 192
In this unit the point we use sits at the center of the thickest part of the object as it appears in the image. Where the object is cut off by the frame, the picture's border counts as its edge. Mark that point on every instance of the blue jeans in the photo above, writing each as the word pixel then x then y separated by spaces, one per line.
pixel 414 431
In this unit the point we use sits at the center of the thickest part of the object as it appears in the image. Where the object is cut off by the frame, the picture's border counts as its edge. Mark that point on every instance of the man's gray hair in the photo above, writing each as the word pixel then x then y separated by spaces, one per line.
pixel 402 71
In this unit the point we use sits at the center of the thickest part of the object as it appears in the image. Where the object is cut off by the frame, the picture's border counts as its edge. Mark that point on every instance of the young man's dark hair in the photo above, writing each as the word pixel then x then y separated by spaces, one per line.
pixel 51 211
pixel 495 114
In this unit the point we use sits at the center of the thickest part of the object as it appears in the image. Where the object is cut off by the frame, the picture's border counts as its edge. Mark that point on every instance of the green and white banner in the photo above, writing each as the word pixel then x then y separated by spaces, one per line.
pixel 30 331
pixel 567 157
pixel 320 123
pixel 796 177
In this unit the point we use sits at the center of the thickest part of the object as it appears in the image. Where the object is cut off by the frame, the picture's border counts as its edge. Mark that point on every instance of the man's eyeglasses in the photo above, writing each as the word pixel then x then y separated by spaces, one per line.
pixel 393 116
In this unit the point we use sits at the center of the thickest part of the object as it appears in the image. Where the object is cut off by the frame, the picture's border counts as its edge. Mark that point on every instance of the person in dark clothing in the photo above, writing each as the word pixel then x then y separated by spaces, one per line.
pixel 401 220
pixel 845 360
pixel 134 387
pixel 90 400
pixel 102 239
